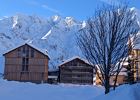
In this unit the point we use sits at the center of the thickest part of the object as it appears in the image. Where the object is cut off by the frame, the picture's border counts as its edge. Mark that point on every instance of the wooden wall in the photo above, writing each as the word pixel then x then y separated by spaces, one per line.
pixel 76 72
pixel 37 66
pixel 120 80
pixel 136 63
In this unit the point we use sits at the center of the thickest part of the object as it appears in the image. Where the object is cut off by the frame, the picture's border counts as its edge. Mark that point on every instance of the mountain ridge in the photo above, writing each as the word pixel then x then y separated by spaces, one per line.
pixel 55 34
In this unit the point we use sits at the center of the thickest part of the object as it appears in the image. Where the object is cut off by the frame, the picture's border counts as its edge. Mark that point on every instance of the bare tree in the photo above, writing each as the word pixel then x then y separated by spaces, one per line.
pixel 104 40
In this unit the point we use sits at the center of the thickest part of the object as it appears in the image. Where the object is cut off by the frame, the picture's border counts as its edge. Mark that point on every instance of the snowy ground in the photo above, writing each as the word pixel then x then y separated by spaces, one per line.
pixel 10 90
pixel 29 91
pixel 124 92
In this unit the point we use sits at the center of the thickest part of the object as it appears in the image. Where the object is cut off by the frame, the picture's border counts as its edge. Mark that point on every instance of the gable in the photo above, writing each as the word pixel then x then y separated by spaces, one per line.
pixel 14 52
pixel 75 62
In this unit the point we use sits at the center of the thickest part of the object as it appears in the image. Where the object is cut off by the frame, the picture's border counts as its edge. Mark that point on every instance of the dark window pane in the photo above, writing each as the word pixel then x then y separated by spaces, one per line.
pixel 23 49
pixel 32 53
pixel 19 52
pixel 27 61
pixel 23 61
pixel 26 67
pixel 25 64
pixel 23 67
pixel 27 51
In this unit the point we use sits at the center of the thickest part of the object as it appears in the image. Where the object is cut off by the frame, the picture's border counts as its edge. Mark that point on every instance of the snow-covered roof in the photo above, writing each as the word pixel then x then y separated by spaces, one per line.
pixel 76 57
pixel 43 51
pixel 125 63
pixel 123 72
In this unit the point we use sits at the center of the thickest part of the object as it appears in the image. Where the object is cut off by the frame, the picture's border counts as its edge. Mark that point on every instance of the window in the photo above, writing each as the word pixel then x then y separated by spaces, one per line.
pixel 32 53
pixel 23 49
pixel 25 57
pixel 19 52
pixel 25 64
pixel 27 51
pixel 27 61
pixel 26 67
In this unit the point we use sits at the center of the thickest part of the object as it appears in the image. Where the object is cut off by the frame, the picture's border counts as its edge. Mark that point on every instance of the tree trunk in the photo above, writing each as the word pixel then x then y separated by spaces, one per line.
pixel 107 85
pixel 116 78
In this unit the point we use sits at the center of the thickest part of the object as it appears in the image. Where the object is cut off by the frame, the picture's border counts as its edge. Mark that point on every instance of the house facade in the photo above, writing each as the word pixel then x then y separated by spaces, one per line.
pixel 76 71
pixel 26 63
pixel 121 79
pixel 135 62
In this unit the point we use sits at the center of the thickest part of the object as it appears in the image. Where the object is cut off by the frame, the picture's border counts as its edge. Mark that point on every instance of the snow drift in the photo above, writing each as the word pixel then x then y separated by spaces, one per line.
pixel 124 92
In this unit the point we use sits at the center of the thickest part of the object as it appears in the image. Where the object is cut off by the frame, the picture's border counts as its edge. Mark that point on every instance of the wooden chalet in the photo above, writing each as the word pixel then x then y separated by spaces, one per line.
pixel 135 62
pixel 26 63
pixel 76 71
pixel 121 79
pixel 134 56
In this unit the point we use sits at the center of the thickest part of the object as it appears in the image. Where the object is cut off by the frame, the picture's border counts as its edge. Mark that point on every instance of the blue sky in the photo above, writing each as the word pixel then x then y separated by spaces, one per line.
pixel 79 9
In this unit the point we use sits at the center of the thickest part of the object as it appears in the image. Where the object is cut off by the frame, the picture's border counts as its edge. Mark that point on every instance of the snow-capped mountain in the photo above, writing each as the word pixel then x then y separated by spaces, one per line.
pixel 55 34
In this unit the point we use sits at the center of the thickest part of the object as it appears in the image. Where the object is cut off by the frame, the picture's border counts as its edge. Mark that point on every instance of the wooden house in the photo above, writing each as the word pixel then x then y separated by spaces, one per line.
pixel 76 71
pixel 135 62
pixel 121 79
pixel 26 63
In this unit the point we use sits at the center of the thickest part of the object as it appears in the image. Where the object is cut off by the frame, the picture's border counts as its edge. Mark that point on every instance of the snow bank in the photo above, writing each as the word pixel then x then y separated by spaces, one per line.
pixel 124 92
pixel 10 90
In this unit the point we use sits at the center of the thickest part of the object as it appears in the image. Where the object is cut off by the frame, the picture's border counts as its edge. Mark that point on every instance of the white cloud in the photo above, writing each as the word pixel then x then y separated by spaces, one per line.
pixel 50 9
pixel 44 6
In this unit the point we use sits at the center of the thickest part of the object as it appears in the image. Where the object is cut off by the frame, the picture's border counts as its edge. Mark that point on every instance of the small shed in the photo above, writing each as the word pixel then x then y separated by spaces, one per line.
pixel 26 63
pixel 76 70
